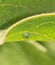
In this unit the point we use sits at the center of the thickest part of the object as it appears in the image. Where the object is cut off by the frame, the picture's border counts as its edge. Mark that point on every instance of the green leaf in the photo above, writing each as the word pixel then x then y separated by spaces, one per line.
pixel 50 45
pixel 13 10
pixel 23 53
pixel 38 27
pixel 27 53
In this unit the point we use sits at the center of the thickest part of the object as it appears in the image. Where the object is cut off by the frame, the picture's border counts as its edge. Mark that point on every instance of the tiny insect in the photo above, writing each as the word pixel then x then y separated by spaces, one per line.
pixel 26 35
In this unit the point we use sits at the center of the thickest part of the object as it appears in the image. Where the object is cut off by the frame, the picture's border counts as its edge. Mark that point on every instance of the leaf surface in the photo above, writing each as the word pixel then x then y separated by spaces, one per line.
pixel 38 27
pixel 13 10
pixel 23 53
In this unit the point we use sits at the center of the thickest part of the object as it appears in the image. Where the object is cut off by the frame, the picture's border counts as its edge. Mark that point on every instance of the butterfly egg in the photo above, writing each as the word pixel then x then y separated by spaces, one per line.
pixel 26 35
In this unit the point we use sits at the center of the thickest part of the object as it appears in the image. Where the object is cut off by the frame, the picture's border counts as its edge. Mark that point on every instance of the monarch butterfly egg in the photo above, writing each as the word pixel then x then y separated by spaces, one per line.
pixel 26 35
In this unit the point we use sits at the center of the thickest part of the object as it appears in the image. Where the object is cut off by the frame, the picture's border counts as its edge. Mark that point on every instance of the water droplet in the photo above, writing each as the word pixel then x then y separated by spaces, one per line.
pixel 26 35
